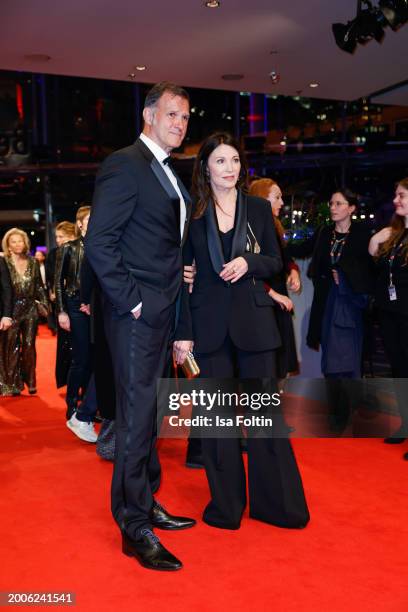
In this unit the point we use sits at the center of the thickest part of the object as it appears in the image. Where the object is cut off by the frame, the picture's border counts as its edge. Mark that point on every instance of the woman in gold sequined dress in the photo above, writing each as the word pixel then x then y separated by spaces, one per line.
pixel 18 354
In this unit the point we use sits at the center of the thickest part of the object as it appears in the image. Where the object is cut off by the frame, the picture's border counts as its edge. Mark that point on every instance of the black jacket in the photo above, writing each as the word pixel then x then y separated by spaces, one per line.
pixel 6 291
pixel 242 309
pixel 355 262
pixel 399 279
pixel 133 237
pixel 67 273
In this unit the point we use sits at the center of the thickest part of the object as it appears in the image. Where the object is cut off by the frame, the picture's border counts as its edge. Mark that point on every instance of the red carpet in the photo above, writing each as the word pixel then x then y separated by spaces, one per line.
pixel 57 534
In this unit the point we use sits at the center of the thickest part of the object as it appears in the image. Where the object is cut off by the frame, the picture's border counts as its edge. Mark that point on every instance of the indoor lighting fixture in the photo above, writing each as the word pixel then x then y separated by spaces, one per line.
pixel 140 68
pixel 369 23
pixel 395 12
pixel 313 85
pixel 274 76
pixel 212 3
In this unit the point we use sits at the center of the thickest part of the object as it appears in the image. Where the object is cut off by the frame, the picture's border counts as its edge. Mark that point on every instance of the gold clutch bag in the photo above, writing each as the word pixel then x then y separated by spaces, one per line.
pixel 190 366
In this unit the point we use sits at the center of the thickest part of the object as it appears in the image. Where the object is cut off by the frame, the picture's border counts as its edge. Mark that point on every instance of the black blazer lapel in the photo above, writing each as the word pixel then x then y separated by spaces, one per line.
pixel 213 239
pixel 163 179
pixel 157 170
pixel 239 239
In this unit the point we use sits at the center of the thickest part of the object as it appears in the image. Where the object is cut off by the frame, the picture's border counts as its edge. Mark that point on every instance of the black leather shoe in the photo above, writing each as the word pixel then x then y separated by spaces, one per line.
pixel 161 519
pixel 150 552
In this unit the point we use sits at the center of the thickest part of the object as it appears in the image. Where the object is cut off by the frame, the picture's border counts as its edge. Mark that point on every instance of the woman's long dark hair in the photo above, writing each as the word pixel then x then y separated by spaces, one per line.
pixel 201 187
pixel 397 231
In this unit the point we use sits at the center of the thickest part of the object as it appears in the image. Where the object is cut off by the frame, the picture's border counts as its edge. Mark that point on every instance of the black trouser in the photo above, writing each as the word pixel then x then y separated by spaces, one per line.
pixel 80 368
pixel 275 488
pixel 339 395
pixel 139 355
pixel 394 330
pixel 103 368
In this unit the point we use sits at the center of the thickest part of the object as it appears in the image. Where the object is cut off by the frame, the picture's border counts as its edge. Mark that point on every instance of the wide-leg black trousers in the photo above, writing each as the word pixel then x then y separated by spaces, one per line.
pixel 275 487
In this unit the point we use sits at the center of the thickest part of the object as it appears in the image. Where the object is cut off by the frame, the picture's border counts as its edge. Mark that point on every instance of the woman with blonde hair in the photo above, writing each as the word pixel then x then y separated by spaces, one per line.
pixel 18 352
pixel 287 361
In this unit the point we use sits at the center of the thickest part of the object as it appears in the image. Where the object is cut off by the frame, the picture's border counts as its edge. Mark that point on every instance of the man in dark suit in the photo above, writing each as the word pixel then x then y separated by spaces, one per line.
pixel 139 221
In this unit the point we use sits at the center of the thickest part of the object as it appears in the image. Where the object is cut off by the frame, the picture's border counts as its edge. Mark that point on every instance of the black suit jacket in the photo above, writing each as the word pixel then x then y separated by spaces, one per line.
pixel 355 262
pixel 242 309
pixel 133 237
pixel 6 291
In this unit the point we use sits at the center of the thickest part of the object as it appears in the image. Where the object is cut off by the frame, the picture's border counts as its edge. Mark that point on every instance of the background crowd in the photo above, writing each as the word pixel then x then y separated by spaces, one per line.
pixel 351 270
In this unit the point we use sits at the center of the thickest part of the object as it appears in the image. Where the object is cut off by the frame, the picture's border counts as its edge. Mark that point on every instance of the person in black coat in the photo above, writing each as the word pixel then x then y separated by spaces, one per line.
pixel 64 232
pixel 6 297
pixel 229 317
pixel 6 313
pixel 139 221
pixel 390 250
pixel 288 277
pixel 343 277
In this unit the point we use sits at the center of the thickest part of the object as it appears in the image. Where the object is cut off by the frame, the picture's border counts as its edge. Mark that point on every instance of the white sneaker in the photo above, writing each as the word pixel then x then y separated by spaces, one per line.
pixel 84 431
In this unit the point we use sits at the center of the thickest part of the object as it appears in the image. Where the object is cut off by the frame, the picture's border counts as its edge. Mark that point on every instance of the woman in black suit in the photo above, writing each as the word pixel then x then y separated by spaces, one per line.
pixel 230 319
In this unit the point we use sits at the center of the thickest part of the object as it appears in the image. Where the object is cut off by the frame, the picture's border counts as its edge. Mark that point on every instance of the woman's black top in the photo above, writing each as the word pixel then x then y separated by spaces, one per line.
pixel 226 241
pixel 399 279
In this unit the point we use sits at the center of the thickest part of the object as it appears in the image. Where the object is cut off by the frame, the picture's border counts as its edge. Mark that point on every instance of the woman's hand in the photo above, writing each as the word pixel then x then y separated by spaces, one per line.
pixel 85 308
pixel 189 275
pixel 377 239
pixel 5 323
pixel 234 270
pixel 180 350
pixel 64 322
pixel 284 302
pixel 293 281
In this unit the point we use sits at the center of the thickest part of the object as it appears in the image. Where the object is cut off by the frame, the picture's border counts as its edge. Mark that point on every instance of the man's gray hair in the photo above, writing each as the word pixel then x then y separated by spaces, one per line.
pixel 156 92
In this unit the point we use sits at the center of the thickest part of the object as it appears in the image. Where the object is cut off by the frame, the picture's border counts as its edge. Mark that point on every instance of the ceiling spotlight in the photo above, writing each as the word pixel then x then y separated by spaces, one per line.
pixel 140 68
pixel 369 23
pixel 212 3
pixel 395 12
pixel 313 85
pixel 132 75
pixel 274 76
